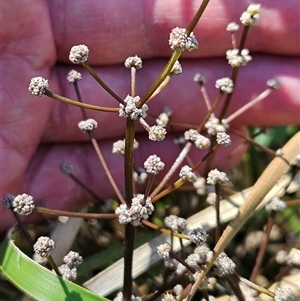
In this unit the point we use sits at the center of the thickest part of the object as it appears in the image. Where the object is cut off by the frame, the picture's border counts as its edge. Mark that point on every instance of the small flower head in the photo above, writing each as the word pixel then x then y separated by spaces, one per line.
pixel 157 133
pixel 163 119
pixel 294 257
pixel 79 54
pixel 198 236
pixel 168 297
pixel 131 110
pixel 43 246
pixel 238 59
pixel 214 126
pixel 23 204
pixel 119 147
pixel 281 257
pixel 153 165
pixel 74 76
pixel 224 265
pixel 275 204
pixel 175 223
pixel 88 125
pixel 66 168
pixel 133 61
pixel 283 294
pixel 273 83
pixel 232 27
pixel 38 85
pixel 251 16
pixel 223 139
pixel 138 211
pixel 186 174
pixel 200 186
pixel 7 201
pixel 67 272
pixel 199 140
pixel 216 177
pixel 200 79
pixel 164 250
pixel 180 41
pixel 211 198
pixel 177 69
pixel 140 177
pixel 225 85
pixel 73 259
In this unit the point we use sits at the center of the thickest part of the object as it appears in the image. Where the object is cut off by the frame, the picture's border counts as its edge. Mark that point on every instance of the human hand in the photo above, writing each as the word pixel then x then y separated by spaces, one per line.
pixel 38 134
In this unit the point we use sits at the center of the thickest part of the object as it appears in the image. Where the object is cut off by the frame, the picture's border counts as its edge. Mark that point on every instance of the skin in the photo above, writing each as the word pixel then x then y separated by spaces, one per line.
pixel 37 134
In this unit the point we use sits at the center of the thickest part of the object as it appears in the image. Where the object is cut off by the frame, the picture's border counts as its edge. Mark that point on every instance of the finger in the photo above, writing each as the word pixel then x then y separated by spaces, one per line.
pixel 52 189
pixel 182 95
pixel 114 30
pixel 27 49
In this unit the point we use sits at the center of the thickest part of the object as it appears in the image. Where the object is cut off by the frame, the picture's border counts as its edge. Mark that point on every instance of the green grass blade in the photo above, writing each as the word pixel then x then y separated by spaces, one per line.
pixel 36 281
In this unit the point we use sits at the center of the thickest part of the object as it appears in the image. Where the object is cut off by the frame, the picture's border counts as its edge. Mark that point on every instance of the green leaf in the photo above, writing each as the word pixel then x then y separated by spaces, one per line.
pixel 35 280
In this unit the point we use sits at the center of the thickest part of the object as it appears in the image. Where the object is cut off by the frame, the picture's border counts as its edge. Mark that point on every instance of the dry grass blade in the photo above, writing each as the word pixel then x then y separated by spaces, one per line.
pixel 264 184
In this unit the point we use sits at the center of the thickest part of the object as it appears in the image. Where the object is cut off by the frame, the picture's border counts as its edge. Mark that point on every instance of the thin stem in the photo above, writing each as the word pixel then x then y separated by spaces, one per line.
pixel 107 171
pixel 255 286
pixel 80 99
pixel 197 17
pixel 86 188
pixel 263 247
pixel 56 212
pixel 247 106
pixel 53 265
pixel 173 168
pixel 79 104
pixel 175 56
pixel 149 186
pixel 130 230
pixel 218 219
pixel 102 83
pixel 165 231
pixel 133 81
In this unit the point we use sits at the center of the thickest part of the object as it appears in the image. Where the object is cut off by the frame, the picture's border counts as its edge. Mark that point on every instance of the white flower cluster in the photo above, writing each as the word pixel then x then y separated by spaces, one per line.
pixel 43 246
pixel 140 177
pixel 79 54
pixel 232 27
pixel 216 177
pixel 162 119
pixel 223 139
pixel 284 294
pixel 225 85
pixel 180 41
pixel 198 236
pixel 175 223
pixel 199 140
pixel 131 110
pixel 157 133
pixel 177 69
pixel 23 204
pixel 68 270
pixel 133 61
pixel 186 174
pixel 250 17
pixel 224 265
pixel 138 211
pixel 275 204
pixel 38 85
pixel 164 250
pixel 153 165
pixel 74 76
pixel 214 126
pixel 119 147
pixel 200 186
pixel 87 125
pixel 237 59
